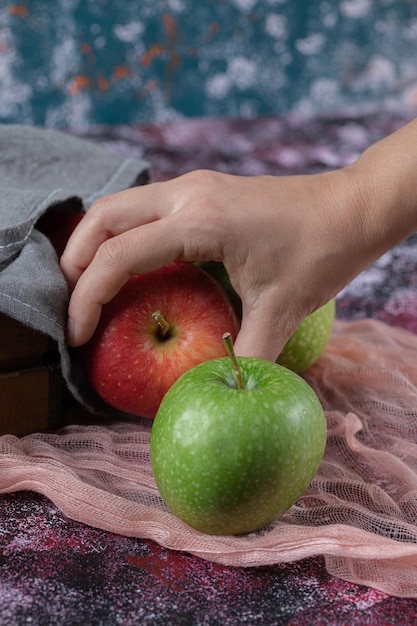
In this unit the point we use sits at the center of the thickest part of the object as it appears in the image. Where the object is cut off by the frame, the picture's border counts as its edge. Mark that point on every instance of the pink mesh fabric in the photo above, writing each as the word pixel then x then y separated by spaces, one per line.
pixel 360 510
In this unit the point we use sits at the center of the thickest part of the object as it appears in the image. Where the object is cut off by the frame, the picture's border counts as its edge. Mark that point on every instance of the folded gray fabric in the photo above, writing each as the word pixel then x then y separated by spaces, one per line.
pixel 40 169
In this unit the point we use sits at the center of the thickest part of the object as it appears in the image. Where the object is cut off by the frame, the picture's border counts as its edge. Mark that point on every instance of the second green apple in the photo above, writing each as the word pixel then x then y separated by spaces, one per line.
pixel 308 341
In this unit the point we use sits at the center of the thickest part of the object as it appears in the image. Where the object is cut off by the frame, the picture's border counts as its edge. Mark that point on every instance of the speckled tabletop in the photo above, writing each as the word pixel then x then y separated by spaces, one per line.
pixel 54 570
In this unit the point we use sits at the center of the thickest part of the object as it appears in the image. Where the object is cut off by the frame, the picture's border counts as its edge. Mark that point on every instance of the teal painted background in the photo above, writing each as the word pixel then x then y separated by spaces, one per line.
pixel 82 62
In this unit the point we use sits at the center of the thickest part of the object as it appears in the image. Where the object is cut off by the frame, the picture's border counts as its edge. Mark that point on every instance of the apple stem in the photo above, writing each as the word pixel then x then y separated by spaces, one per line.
pixel 162 323
pixel 228 344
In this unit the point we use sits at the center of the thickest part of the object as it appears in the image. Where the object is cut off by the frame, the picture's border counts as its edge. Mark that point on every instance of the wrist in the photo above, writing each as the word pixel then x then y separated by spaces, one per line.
pixel 385 180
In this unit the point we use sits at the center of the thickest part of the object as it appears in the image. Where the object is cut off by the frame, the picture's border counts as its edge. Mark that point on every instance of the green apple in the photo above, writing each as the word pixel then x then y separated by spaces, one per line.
pixel 230 458
pixel 309 340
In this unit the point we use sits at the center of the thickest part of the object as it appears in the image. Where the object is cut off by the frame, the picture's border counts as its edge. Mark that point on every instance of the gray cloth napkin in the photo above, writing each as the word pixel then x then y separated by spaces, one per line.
pixel 40 169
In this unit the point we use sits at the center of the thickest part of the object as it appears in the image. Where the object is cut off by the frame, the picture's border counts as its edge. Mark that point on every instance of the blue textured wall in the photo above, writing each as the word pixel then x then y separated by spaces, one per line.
pixel 79 62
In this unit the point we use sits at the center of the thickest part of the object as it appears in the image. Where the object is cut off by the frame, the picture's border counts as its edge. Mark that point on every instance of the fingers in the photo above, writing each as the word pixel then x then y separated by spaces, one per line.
pixel 134 231
pixel 266 327
pixel 110 216
pixel 136 251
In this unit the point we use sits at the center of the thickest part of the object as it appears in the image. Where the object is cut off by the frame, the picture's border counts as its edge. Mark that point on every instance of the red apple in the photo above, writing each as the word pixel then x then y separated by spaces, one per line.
pixel 157 327
pixel 58 226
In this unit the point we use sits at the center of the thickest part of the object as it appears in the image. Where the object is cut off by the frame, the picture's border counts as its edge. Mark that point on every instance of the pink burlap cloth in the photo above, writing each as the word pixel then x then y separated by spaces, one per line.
pixel 360 510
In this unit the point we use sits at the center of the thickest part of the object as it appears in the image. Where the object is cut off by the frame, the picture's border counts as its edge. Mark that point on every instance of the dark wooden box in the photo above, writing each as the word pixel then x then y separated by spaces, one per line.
pixel 31 384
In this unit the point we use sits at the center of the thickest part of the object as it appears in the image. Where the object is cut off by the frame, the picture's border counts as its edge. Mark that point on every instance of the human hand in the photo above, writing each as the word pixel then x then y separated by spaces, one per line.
pixel 289 245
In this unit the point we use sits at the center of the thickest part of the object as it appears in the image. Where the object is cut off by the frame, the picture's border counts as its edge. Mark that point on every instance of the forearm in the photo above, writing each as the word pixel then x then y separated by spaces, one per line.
pixel 385 179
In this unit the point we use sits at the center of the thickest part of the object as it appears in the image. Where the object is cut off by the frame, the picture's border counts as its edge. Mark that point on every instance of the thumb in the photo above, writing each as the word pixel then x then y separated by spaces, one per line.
pixel 265 329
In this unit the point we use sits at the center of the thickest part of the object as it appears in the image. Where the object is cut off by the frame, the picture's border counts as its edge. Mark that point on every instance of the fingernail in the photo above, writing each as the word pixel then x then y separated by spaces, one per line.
pixel 70 332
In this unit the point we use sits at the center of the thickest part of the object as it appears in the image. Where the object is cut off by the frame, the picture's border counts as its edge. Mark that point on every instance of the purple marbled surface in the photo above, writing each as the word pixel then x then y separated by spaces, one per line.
pixel 57 571
pixel 54 570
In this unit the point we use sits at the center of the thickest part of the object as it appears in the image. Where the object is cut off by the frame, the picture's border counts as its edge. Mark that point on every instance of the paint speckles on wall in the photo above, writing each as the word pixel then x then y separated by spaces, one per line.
pixel 355 8
pixel 72 63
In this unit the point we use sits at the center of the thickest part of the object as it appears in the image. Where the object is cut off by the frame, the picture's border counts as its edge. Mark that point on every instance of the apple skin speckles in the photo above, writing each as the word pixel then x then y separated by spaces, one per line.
pixel 309 340
pixel 229 461
pixel 128 363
